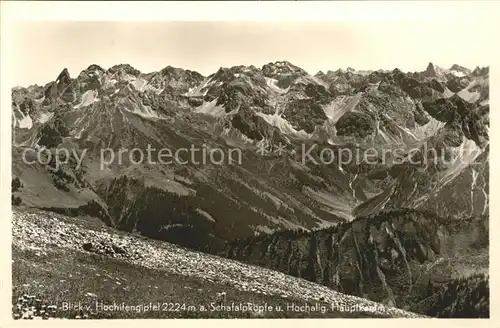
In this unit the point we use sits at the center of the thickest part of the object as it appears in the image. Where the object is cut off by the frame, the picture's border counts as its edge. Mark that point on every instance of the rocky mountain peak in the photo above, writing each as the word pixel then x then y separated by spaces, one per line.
pixel 320 75
pixel 223 74
pixel 60 88
pixel 95 68
pixel 171 70
pixel 431 70
pixel 281 68
pixel 124 68
pixel 434 71
pixel 458 68
pixel 93 71
pixel 397 71
pixel 481 71
pixel 63 77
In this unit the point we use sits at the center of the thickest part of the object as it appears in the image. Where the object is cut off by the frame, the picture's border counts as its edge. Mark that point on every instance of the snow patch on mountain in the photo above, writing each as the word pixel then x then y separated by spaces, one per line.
pixel 384 136
pixel 201 89
pixel 468 96
pixel 211 108
pixel 26 122
pixel 139 109
pixel 473 96
pixel 45 117
pixel 334 205
pixel 235 138
pixel 463 156
pixel 308 79
pixel 88 98
pixel 341 105
pixel 205 214
pixel 139 84
pixel 40 100
pixel 283 125
pixel 427 130
pixel 108 82
pixel 457 73
pixel 273 85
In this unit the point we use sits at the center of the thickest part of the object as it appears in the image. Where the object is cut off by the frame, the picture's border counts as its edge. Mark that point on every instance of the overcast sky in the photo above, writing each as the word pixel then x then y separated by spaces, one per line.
pixel 41 50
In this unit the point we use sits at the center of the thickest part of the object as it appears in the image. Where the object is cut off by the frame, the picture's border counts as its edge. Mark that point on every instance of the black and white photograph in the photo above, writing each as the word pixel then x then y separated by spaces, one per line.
pixel 239 169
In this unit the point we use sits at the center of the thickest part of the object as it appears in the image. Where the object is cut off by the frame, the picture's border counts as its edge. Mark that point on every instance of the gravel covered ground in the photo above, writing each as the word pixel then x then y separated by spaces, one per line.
pixel 76 262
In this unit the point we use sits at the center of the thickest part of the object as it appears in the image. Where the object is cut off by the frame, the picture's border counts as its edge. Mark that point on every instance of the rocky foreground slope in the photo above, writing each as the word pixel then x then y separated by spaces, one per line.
pixel 63 260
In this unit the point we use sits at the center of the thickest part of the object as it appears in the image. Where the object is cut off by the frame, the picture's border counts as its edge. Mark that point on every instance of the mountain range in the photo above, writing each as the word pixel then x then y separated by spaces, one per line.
pixel 400 232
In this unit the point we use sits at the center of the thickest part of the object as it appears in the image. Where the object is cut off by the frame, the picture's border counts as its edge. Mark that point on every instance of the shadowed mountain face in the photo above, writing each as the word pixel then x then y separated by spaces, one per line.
pixel 400 258
pixel 275 149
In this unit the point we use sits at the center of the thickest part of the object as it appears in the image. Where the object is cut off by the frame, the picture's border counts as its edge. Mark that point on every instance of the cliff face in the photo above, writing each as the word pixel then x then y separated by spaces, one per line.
pixel 390 257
